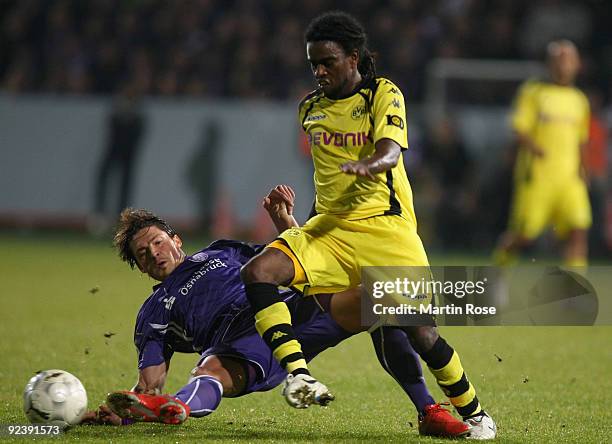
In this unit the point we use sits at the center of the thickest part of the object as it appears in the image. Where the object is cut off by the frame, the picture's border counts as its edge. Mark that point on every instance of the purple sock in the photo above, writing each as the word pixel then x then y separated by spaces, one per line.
pixel 202 394
pixel 398 358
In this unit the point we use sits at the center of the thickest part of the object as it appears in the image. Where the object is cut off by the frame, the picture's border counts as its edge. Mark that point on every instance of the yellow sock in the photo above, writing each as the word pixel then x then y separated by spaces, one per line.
pixel 504 258
pixel 453 382
pixel 273 323
pixel 576 262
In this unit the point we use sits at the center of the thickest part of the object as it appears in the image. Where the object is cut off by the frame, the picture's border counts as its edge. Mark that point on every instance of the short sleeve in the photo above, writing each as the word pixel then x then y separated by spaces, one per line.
pixel 301 114
pixel 524 113
pixel 389 112
pixel 305 106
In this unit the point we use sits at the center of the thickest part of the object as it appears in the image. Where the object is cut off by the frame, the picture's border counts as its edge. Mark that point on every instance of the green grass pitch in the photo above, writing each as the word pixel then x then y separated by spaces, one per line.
pixel 59 296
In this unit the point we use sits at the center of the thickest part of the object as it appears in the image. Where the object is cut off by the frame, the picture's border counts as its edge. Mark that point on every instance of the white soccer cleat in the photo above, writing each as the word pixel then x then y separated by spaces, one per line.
pixel 303 390
pixel 481 427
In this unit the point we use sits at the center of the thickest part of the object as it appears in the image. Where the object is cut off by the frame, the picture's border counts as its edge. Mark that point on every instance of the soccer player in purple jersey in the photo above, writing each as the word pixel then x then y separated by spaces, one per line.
pixel 200 306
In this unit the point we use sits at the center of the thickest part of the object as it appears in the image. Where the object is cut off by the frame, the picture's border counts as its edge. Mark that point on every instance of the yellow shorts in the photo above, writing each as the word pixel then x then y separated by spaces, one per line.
pixel 332 250
pixel 537 205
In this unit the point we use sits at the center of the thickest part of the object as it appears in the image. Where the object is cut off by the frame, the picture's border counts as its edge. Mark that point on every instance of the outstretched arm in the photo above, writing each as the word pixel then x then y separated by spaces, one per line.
pixel 385 157
pixel 525 142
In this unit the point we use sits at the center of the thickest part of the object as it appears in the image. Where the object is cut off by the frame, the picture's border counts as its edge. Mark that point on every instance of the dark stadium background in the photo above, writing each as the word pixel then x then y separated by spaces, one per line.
pixel 197 101
pixel 229 62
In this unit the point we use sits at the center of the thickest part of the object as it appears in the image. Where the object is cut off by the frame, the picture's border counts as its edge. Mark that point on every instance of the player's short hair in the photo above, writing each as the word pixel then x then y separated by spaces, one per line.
pixel 555 45
pixel 131 221
pixel 346 31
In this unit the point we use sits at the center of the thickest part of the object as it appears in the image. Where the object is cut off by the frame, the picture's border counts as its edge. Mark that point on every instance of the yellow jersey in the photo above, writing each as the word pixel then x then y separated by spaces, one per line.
pixel 556 118
pixel 346 130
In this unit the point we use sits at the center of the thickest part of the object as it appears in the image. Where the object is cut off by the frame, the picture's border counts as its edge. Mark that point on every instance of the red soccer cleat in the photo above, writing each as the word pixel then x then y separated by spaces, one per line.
pixel 148 408
pixel 437 421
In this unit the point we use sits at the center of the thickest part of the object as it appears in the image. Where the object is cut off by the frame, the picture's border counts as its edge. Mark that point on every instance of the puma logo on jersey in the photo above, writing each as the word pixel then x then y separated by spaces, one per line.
pixel 277 335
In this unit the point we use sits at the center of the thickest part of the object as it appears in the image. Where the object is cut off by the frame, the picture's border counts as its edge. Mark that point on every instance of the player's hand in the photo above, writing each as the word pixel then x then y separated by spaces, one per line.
pixel 280 199
pixel 358 169
pixel 103 416
pixel 90 417
pixel 537 151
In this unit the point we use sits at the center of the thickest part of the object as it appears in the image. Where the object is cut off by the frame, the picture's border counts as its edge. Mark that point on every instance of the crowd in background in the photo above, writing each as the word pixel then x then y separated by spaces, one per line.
pixel 255 49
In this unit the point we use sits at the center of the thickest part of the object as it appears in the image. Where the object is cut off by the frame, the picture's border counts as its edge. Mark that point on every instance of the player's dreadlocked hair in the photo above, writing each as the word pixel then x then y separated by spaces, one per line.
pixel 345 30
pixel 131 221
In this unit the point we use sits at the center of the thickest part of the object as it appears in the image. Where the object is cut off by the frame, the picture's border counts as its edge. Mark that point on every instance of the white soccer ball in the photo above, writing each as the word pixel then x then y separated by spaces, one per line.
pixel 55 397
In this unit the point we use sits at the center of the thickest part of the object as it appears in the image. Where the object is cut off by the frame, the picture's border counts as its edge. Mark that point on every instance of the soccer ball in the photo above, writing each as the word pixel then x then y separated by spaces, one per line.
pixel 55 397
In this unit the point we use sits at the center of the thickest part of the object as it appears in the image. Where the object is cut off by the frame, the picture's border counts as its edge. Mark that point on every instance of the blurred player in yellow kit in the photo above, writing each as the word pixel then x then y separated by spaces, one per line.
pixel 551 123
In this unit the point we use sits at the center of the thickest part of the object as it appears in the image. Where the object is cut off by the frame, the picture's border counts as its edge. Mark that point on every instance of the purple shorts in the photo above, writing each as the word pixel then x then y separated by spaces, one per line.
pixel 314 328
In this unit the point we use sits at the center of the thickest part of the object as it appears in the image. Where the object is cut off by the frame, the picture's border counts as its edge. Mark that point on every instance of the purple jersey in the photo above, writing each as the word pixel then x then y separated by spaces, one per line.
pixel 200 305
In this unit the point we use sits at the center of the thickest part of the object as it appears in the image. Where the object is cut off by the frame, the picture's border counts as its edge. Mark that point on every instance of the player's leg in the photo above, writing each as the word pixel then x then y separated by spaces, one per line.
pixel 377 254
pixel 531 211
pixel 213 378
pixel 378 250
pixel 261 276
pixel 444 364
pixel 393 349
pixel 573 221
pixel 311 255
pixel 575 251
pixel 324 320
pixel 509 247
pixel 397 356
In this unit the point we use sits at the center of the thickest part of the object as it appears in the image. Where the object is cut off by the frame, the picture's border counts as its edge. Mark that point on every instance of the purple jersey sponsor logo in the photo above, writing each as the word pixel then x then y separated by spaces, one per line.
pixel 211 264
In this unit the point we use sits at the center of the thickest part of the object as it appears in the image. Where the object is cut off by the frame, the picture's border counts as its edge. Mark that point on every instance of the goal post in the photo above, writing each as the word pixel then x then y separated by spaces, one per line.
pixel 443 70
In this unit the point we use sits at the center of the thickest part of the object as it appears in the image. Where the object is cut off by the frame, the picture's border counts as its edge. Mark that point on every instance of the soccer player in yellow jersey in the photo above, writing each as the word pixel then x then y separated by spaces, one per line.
pixel 551 122
pixel 356 125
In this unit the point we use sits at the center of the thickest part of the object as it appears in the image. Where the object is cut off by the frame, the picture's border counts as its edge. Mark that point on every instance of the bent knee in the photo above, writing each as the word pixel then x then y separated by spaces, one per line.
pixel 271 266
pixel 210 370
pixel 422 338
pixel 229 372
pixel 250 272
